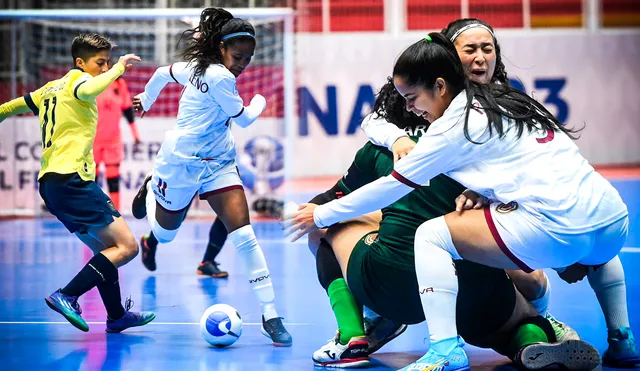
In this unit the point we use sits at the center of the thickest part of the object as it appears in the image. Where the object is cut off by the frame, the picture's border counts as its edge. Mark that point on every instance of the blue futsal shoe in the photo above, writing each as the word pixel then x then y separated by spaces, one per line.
pixel 455 360
pixel 67 306
pixel 623 350
pixel 274 330
pixel 130 319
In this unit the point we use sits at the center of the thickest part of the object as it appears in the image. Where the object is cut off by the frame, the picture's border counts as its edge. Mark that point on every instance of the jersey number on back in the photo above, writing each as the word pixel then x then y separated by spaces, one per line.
pixel 48 104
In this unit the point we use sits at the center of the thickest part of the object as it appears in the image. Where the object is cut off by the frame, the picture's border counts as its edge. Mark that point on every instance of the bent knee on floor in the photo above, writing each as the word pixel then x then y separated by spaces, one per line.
pixel 532 285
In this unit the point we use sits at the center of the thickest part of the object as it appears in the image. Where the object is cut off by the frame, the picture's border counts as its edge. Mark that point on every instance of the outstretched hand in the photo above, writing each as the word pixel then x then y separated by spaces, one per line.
pixel 300 223
pixel 137 105
pixel 127 58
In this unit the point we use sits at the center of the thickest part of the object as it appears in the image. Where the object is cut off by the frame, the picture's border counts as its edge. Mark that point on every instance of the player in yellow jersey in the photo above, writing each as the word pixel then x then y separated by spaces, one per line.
pixel 68 119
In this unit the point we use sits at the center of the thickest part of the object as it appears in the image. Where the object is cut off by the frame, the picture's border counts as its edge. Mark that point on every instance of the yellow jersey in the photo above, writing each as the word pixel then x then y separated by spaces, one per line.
pixel 68 120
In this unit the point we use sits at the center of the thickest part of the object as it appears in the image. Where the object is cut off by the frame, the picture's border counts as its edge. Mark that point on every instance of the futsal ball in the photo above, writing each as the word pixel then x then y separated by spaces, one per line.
pixel 221 325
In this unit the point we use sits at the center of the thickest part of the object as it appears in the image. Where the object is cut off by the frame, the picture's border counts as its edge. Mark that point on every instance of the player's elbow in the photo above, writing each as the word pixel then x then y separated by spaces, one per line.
pixel 251 112
pixel 244 122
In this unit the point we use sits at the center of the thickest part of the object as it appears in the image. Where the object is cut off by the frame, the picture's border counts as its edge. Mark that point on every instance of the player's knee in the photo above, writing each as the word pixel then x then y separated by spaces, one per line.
pixel 314 240
pixel 244 238
pixel 536 286
pixel 164 235
pixel 435 232
pixel 129 248
pixel 327 265
pixel 532 285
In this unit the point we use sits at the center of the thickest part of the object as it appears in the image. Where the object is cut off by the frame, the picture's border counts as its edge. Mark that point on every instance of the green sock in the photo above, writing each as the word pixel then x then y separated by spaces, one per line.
pixel 347 311
pixel 525 335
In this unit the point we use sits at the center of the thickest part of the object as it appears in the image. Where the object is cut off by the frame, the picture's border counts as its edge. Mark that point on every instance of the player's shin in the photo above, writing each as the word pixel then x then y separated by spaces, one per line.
pixel 437 282
pixel 345 307
pixel 99 269
pixel 542 302
pixel 244 240
pixel 609 285
pixel 161 234
pixel 111 297
pixel 217 237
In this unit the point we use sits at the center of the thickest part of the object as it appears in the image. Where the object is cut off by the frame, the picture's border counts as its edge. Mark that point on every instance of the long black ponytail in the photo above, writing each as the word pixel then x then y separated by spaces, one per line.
pixel 436 57
pixel 203 41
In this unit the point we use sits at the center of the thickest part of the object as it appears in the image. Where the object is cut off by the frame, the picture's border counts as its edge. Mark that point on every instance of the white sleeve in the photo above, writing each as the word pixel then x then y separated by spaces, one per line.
pixel 361 201
pixel 432 155
pixel 380 131
pixel 225 93
pixel 251 112
pixel 177 72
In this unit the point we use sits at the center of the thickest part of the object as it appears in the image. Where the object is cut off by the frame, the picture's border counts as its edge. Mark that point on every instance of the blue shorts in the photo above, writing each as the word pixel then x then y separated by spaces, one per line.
pixel 77 203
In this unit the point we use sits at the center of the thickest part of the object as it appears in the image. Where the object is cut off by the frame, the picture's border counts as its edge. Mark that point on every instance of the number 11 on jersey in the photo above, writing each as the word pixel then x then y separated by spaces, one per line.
pixel 48 104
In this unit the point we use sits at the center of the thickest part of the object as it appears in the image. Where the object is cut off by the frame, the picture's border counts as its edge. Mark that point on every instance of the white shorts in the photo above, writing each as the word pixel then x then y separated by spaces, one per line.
pixel 175 185
pixel 530 247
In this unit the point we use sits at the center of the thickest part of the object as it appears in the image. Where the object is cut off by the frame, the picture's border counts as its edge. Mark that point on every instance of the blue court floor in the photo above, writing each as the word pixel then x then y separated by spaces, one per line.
pixel 38 256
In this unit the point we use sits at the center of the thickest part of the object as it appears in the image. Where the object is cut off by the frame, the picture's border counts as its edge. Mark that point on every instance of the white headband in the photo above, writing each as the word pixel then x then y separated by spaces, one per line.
pixel 470 26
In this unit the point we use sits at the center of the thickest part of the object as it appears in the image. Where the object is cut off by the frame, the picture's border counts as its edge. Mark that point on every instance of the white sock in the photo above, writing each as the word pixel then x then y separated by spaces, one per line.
pixel 437 282
pixel 150 201
pixel 244 239
pixel 542 303
pixel 161 234
pixel 610 288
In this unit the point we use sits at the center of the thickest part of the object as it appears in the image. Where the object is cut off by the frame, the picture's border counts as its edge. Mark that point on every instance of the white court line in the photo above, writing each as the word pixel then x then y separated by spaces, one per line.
pixel 151 323
pixel 631 249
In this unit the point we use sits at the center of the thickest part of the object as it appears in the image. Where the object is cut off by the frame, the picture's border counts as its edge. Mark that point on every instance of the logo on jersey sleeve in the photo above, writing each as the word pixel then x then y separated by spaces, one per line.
pixel 371 239
pixel 111 206
pixel 507 208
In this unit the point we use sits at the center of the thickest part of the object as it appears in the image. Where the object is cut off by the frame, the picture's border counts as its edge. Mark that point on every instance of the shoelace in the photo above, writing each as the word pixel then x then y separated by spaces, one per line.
pixel 128 304
pixel 75 305
pixel 275 326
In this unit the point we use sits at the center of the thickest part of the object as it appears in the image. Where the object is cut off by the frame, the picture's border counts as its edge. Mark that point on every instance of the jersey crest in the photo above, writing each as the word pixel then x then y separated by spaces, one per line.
pixel 507 208
pixel 371 239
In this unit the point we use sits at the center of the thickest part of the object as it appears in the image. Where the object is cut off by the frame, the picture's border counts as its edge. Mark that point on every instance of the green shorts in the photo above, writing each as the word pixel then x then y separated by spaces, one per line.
pixel 486 296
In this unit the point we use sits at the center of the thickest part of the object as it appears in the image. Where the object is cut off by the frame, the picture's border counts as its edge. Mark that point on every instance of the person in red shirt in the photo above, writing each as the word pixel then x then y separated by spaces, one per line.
pixel 107 148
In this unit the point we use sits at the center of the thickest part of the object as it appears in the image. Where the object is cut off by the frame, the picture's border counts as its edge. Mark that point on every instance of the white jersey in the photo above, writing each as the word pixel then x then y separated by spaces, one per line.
pixel 381 132
pixel 207 105
pixel 543 172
